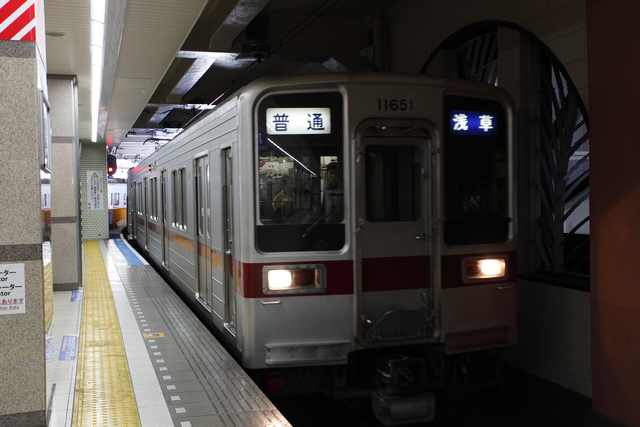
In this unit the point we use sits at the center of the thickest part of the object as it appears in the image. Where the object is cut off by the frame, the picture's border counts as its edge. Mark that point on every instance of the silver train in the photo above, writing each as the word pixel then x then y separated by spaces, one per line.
pixel 317 219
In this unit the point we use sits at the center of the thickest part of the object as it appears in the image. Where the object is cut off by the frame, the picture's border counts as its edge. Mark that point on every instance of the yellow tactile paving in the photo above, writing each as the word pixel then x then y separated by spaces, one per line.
pixel 104 394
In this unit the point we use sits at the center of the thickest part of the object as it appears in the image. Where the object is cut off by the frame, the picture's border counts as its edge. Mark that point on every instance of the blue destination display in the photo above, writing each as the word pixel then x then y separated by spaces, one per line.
pixel 76 296
pixel 69 348
pixel 464 122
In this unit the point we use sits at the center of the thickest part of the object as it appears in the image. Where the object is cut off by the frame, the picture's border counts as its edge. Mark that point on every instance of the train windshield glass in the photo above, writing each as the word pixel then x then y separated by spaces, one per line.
pixel 476 172
pixel 301 181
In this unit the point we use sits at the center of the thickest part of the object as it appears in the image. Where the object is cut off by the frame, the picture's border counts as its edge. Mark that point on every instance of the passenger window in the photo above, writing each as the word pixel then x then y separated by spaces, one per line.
pixel 177 199
pixel 208 197
pixel 154 198
pixel 139 198
pixel 201 207
pixel 183 178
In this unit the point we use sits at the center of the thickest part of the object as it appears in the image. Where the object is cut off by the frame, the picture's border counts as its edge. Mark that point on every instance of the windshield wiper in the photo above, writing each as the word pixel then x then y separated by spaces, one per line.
pixel 315 224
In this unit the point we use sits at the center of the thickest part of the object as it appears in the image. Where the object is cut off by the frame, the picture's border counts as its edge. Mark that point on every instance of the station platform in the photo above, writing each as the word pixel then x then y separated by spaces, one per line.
pixel 127 351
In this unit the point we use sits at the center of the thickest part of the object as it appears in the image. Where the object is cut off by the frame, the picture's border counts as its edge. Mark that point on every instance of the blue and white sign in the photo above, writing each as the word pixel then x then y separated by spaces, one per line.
pixel 69 348
pixel 298 121
pixel 50 349
pixel 473 123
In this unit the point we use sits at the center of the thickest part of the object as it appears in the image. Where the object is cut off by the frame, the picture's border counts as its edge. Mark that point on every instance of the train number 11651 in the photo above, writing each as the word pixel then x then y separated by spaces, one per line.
pixel 395 105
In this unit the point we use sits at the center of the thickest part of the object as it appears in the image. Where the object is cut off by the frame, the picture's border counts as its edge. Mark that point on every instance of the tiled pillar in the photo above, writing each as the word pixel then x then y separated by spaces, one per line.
pixel 65 221
pixel 95 215
pixel 613 40
pixel 22 341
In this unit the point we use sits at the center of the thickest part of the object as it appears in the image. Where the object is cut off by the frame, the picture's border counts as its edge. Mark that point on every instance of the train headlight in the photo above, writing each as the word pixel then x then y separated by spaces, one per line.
pixel 489 268
pixel 293 278
pixel 279 279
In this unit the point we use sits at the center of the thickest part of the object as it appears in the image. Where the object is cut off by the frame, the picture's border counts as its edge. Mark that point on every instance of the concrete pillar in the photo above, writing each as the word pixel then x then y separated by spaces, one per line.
pixel 613 38
pixel 65 218
pixel 22 341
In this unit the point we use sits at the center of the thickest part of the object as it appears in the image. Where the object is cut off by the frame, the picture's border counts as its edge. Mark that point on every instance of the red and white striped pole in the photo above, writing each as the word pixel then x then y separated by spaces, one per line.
pixel 18 20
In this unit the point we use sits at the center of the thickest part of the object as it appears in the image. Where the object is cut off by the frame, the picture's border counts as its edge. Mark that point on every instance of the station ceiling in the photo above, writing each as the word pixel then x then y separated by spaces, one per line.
pixel 167 61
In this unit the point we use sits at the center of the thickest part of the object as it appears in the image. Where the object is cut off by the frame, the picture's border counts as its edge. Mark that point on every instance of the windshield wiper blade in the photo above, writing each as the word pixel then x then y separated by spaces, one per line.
pixel 315 224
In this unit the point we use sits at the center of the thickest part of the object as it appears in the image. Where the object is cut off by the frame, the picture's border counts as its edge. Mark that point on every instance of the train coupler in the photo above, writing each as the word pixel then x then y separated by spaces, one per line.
pixel 393 410
pixel 402 396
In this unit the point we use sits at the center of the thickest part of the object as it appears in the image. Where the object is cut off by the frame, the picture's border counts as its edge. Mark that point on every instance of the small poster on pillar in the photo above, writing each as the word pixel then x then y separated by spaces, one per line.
pixel 12 292
pixel 95 193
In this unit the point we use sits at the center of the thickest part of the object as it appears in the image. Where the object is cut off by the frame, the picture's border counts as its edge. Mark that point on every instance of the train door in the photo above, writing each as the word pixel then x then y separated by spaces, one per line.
pixel 393 238
pixel 145 212
pixel 164 231
pixel 203 231
pixel 228 244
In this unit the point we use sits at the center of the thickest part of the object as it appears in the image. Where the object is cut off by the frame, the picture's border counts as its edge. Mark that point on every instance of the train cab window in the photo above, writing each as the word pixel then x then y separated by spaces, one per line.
pixel 476 187
pixel 300 197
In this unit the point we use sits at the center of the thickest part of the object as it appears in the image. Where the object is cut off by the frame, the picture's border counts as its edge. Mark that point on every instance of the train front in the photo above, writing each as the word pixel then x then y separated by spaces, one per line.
pixel 383 231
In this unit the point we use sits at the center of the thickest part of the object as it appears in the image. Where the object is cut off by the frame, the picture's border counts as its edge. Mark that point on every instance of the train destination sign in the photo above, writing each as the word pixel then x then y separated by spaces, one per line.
pixel 465 122
pixel 298 121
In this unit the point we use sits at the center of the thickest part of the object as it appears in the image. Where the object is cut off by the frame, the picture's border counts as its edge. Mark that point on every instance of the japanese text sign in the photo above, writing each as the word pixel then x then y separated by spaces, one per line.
pixel 473 123
pixel 298 121
pixel 95 194
pixel 12 289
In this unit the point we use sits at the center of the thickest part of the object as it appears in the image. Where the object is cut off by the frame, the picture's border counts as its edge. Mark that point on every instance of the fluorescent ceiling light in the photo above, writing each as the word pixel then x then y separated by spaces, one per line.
pixel 98 13
pixel 97 57
pixel 98 10
pixel 97 33
pixel 96 72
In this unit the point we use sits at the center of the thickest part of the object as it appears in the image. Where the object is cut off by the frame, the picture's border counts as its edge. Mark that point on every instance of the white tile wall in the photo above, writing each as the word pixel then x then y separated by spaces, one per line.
pixel 554 335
